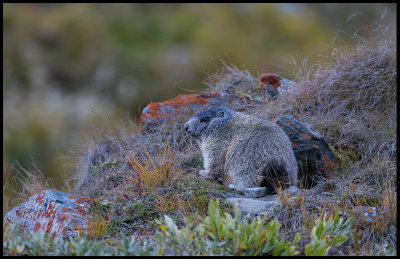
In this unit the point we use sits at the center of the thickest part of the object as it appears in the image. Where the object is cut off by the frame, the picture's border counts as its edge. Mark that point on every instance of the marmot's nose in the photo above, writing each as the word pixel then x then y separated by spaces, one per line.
pixel 186 127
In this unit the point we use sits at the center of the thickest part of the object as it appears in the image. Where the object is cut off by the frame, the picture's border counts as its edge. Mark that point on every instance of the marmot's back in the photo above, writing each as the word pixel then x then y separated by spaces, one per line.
pixel 261 149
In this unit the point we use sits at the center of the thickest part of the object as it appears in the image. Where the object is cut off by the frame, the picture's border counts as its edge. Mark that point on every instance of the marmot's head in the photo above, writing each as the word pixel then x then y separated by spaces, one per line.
pixel 209 121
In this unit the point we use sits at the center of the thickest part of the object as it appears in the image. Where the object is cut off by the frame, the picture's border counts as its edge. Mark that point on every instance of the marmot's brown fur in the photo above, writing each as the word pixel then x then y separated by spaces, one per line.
pixel 242 149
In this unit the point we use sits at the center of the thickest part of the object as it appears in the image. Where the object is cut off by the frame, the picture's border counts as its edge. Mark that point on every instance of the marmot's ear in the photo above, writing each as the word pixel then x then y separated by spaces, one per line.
pixel 220 114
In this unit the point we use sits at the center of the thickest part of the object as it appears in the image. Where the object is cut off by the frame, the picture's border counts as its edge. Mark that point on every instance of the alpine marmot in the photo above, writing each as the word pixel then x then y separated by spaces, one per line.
pixel 243 150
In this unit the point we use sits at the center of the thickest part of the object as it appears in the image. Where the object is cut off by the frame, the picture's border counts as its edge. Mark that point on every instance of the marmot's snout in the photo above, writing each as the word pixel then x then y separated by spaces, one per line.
pixel 188 129
pixel 193 128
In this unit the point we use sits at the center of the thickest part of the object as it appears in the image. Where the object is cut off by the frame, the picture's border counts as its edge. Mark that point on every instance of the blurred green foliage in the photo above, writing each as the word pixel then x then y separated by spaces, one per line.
pixel 65 64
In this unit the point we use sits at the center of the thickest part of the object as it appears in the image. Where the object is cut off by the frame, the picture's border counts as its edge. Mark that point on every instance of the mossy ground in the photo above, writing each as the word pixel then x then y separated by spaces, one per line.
pixel 135 211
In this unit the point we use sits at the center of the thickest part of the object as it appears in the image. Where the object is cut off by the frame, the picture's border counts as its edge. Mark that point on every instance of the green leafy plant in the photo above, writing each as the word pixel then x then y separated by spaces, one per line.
pixel 328 233
pixel 219 234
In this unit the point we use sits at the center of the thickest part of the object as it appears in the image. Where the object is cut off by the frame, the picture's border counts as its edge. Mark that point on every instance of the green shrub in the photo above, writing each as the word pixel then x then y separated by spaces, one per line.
pixel 215 234
pixel 219 234
pixel 328 233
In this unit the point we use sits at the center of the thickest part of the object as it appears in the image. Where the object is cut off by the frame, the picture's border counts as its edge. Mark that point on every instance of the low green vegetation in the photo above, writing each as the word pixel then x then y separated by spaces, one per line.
pixel 219 233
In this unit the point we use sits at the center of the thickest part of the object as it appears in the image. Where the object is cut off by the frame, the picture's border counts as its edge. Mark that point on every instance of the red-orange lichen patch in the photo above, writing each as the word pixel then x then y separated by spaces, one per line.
pixel 49 226
pixel 64 218
pixel 293 144
pixel 82 211
pixel 315 147
pixel 53 235
pixel 306 136
pixel 328 164
pixel 274 120
pixel 369 209
pixel 268 79
pixel 60 228
pixel 70 196
pixel 156 110
pixel 79 201
pixel 39 198
pixel 37 227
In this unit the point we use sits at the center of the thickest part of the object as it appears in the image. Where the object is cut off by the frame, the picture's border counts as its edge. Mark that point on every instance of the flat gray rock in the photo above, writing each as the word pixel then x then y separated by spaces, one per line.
pixel 255 192
pixel 253 206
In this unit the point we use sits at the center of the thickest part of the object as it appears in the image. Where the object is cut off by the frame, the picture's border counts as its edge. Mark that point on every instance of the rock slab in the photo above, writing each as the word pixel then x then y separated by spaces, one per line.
pixel 253 206
pixel 256 192
pixel 157 113
pixel 57 213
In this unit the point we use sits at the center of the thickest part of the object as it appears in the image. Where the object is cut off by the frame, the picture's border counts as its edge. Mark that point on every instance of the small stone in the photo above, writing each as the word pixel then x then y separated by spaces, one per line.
pixel 233 187
pixel 255 192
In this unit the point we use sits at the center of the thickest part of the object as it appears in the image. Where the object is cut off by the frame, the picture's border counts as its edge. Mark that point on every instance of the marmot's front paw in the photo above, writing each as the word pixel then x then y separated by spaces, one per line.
pixel 205 174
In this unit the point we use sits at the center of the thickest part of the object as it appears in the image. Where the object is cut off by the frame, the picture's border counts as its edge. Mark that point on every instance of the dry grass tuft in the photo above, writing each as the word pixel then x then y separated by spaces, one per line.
pixel 154 172
pixel 28 182
pixel 97 227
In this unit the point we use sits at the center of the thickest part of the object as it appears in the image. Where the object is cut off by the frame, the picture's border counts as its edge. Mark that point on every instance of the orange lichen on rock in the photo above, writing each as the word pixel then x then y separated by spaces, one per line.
pixel 158 112
pixel 60 227
pixel 82 211
pixel 51 211
pixel 64 218
pixel 49 226
pixel 269 79
pixel 328 165
pixel 306 136
pixel 37 227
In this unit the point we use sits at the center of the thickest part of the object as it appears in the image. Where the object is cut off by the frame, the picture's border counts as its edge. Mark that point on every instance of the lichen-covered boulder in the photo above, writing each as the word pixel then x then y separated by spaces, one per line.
pixel 314 157
pixel 273 84
pixel 156 113
pixel 57 213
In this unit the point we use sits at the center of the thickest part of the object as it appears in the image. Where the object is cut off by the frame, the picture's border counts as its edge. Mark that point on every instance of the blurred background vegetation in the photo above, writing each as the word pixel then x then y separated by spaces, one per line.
pixel 66 67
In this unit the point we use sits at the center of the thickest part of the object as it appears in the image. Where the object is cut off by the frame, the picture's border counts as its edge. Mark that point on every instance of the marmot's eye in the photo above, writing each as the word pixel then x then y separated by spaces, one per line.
pixel 205 119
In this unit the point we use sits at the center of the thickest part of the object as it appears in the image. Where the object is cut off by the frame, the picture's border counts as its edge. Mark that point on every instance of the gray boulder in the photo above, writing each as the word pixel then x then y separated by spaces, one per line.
pixel 57 213
pixel 315 159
